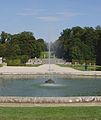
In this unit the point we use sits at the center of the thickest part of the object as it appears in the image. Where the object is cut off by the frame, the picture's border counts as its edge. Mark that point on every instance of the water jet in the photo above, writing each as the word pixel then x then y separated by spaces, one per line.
pixel 50 81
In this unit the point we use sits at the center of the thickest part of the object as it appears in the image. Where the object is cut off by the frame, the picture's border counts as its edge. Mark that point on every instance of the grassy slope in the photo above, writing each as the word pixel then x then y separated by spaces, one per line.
pixel 51 113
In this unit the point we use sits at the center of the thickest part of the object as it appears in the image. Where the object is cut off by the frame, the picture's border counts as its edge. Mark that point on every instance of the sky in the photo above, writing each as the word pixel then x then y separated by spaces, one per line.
pixel 48 18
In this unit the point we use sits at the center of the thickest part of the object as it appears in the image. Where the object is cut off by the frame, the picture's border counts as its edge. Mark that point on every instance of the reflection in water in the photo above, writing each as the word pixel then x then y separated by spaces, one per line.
pixel 36 86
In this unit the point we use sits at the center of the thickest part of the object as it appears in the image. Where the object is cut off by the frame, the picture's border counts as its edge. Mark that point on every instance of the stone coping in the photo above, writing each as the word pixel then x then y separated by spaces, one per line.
pixel 50 100
pixel 82 74
pixel 31 76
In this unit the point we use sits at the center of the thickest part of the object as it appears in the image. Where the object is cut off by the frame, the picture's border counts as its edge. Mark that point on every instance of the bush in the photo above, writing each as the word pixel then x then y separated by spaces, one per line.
pixel 14 62
pixel 17 61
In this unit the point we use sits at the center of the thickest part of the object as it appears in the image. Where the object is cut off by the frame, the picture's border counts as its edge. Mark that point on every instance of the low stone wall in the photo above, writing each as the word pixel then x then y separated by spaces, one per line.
pixel 50 100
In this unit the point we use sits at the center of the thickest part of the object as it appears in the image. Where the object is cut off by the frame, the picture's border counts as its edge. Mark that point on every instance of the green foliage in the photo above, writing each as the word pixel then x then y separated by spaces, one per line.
pixel 5 37
pixel 44 54
pixel 82 67
pixel 13 62
pixel 42 44
pixel 20 47
pixel 2 50
pixel 79 44
pixel 98 50
pixel 24 59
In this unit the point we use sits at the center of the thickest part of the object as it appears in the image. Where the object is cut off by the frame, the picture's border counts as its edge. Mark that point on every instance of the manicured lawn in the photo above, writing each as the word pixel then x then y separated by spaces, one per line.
pixel 34 65
pixel 81 67
pixel 44 54
pixel 50 113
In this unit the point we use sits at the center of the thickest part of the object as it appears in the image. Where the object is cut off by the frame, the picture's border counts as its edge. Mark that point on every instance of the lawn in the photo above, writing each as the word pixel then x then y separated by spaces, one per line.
pixel 34 65
pixel 46 54
pixel 82 67
pixel 50 113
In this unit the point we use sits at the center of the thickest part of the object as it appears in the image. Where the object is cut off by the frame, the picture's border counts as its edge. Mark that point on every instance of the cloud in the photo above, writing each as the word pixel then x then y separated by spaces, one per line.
pixel 30 12
pixel 68 14
pixel 48 18
pixel 26 14
pixel 59 16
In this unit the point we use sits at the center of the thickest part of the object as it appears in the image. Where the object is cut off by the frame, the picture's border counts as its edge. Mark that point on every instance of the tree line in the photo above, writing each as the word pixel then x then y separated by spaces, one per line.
pixel 79 44
pixel 18 48
pixel 76 44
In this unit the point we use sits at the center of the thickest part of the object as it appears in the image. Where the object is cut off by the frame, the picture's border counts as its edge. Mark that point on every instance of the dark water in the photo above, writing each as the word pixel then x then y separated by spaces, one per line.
pixel 63 87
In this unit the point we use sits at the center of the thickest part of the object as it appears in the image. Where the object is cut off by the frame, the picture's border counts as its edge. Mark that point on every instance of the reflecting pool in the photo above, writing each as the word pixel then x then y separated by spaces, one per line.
pixel 35 86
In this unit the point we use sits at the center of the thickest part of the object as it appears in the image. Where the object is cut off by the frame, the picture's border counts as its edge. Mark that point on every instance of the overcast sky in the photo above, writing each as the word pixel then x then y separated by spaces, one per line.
pixel 48 17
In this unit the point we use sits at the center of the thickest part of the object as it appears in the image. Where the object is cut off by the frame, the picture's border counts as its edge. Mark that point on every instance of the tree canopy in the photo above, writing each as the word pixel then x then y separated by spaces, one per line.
pixel 74 44
pixel 22 45
pixel 77 44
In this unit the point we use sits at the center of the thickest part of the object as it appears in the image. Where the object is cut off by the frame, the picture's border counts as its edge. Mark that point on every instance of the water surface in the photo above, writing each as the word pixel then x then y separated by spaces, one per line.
pixel 63 87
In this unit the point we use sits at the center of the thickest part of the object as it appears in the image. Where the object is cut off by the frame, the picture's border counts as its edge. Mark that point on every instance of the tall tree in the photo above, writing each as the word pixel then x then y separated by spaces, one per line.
pixel 98 49
pixel 5 37
pixel 78 44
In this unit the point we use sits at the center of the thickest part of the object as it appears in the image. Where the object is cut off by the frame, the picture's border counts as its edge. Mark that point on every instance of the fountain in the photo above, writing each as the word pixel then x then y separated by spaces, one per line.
pixel 50 81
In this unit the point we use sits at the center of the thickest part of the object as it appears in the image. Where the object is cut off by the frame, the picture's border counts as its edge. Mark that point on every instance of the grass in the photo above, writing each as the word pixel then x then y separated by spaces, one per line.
pixel 81 67
pixel 45 54
pixel 34 65
pixel 98 68
pixel 50 113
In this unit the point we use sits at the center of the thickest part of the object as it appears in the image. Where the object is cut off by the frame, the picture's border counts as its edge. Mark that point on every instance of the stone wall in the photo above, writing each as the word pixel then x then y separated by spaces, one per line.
pixel 50 100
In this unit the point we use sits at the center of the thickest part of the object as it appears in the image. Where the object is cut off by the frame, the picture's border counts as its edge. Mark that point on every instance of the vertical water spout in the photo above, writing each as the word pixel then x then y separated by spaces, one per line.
pixel 49 58
pixel 49 62
pixel 49 52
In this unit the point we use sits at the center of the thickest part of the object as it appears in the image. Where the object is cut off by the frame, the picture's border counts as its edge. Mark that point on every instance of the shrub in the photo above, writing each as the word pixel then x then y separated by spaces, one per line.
pixel 13 62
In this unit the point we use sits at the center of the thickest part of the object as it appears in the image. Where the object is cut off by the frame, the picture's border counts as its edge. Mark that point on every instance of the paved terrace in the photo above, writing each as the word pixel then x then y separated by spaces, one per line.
pixel 44 69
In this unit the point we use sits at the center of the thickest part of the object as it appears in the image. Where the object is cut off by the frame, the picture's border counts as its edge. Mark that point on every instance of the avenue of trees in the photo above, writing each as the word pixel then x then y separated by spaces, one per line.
pixel 18 48
pixel 75 44
pixel 80 44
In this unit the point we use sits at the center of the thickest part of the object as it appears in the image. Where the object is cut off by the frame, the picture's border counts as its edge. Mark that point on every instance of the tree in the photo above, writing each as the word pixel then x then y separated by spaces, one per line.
pixel 20 46
pixel 98 49
pixel 5 37
pixel 42 44
pixel 77 44
pixel 2 50
pixel 98 27
pixel 27 43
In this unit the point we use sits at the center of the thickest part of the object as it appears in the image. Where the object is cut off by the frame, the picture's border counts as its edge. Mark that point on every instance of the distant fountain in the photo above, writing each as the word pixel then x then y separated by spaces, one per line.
pixel 49 80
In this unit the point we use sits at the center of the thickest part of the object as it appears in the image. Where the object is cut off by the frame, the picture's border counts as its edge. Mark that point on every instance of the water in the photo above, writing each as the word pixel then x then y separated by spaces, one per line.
pixel 63 87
